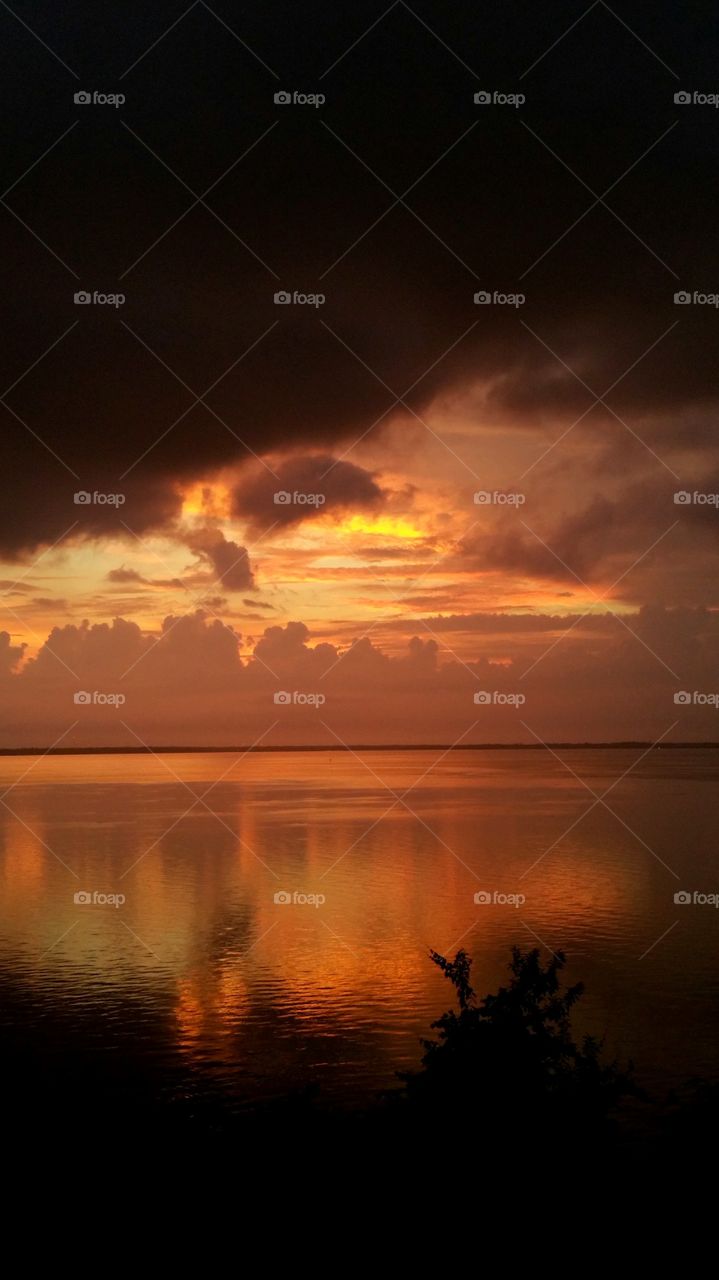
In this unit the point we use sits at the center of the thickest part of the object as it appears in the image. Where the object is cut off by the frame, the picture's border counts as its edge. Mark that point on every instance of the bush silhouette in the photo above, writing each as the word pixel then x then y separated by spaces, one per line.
pixel 511 1058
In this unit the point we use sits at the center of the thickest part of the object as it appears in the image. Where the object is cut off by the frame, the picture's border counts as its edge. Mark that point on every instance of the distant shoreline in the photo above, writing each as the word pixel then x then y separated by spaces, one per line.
pixel 329 750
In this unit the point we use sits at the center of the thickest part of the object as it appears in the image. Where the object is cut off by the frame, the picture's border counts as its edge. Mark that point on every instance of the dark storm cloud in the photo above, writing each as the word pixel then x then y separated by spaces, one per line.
pixel 658 534
pixel 198 366
pixel 300 488
pixel 229 562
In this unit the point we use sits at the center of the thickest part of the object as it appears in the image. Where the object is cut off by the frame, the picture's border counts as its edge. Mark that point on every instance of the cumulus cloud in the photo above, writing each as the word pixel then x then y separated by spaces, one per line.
pixel 189 685
pixel 10 654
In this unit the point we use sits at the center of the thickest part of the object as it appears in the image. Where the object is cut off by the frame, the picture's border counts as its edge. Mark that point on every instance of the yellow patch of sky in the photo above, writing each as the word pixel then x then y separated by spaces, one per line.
pixel 381 526
pixel 209 500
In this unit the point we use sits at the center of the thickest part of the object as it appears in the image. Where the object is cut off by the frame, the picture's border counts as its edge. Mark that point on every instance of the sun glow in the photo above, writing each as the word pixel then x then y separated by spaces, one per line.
pixel 209 500
pixel 382 526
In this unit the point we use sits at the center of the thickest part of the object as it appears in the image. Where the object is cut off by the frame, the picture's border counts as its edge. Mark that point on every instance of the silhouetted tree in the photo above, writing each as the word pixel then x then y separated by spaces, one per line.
pixel 511 1059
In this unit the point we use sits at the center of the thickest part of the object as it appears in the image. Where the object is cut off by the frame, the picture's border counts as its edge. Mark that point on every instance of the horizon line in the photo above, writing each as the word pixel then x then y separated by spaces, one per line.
pixel 365 746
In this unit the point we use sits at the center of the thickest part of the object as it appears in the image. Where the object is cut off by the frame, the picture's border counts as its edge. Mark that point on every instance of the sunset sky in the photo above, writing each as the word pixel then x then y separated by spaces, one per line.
pixel 389 590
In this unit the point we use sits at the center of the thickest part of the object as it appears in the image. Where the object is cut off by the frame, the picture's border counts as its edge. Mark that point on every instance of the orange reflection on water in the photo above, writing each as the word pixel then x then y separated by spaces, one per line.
pixel 200 932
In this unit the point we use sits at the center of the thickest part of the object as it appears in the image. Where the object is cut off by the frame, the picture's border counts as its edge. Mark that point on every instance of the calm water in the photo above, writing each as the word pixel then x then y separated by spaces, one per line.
pixel 201 981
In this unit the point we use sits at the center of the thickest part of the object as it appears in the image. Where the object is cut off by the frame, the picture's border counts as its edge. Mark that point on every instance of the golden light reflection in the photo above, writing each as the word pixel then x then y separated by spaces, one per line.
pixel 201 924
pixel 24 864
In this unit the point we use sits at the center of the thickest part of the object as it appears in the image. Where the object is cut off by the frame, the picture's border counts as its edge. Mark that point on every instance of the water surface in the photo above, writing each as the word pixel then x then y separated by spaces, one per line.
pixel 201 981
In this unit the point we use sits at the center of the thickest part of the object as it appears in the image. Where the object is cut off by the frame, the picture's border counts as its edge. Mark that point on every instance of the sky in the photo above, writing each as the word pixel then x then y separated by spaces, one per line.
pixel 391 416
